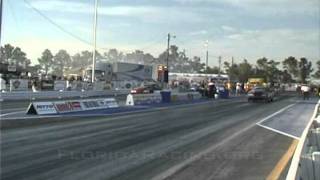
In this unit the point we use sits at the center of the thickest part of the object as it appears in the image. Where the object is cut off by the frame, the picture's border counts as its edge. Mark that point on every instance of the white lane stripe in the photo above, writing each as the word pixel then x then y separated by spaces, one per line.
pixel 3 112
pixel 7 114
pixel 169 172
pixel 279 132
pixel 276 113
pixel 275 130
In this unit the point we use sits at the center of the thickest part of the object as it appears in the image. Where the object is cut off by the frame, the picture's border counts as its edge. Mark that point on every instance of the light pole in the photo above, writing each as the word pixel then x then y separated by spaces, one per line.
pixel 219 65
pixel 94 41
pixel 168 51
pixel 207 54
pixel 1 10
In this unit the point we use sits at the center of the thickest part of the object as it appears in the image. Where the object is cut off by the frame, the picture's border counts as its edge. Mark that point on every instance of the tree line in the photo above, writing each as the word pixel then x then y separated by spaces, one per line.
pixel 293 70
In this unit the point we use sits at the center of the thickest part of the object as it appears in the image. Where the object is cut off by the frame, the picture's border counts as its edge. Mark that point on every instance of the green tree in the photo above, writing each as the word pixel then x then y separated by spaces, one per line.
pixel 114 55
pixel 232 70
pixel 81 60
pixel 14 55
pixel 317 73
pixel 179 62
pixel 291 65
pixel 46 61
pixel 305 69
pixel 268 69
pixel 61 62
pixel 213 70
pixel 286 77
pixel 196 64
pixel 245 71
pixel 6 53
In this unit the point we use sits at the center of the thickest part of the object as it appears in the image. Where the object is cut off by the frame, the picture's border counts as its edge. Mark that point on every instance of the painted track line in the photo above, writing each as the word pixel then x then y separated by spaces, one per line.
pixel 282 163
pixel 275 130
pixel 11 113
pixel 169 172
pixel 279 132
pixel 276 113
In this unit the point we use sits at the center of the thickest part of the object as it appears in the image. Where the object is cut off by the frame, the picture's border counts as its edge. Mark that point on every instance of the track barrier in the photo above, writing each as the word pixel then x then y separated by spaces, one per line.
pixel 60 107
pixel 162 97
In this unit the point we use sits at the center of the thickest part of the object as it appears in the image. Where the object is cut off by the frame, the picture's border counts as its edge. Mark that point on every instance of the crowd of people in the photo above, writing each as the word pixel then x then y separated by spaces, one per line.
pixel 209 88
pixel 306 91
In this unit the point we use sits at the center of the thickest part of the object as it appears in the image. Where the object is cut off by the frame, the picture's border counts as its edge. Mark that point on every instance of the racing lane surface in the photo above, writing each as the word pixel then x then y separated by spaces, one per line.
pixel 147 145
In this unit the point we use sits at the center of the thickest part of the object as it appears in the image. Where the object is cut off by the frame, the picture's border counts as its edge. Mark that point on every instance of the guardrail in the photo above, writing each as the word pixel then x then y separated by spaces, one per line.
pixel 305 164
pixel 27 95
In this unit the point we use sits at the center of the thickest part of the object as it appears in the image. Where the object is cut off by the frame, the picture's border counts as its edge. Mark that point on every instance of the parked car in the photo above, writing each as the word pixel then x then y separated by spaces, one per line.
pixel 260 93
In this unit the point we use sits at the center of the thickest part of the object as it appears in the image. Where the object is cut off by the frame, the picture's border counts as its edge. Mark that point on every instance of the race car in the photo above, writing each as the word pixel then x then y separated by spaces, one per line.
pixel 146 89
pixel 260 93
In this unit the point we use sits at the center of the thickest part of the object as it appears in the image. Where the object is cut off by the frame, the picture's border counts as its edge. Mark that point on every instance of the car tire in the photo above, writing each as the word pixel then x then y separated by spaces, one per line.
pixel 266 100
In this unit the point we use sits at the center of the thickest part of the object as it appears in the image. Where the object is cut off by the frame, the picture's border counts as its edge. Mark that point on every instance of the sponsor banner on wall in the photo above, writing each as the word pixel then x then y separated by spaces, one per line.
pixel 142 99
pixel 18 85
pixel 111 102
pixel 41 108
pixel 75 105
pixel 59 85
pixel 68 106
pixel 47 85
pixel 92 104
pixel 63 106
pixel 185 96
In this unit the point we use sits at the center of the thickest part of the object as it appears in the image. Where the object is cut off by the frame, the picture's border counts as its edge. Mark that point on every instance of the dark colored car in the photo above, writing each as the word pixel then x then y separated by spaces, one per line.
pixel 260 93
pixel 146 89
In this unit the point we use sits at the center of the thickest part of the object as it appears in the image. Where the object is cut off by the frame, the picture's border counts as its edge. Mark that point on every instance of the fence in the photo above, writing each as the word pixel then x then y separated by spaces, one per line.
pixel 27 95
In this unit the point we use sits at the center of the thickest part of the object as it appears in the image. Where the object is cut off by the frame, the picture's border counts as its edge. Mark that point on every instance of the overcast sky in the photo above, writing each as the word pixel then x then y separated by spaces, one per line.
pixel 240 28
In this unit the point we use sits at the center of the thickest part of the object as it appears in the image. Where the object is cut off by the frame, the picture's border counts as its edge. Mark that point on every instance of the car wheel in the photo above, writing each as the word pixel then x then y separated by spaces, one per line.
pixel 266 100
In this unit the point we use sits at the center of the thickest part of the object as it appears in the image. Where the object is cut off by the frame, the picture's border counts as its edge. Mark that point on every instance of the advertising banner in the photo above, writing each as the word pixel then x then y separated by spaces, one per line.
pixel 68 106
pixel 59 85
pixel 41 108
pixel 18 85
pixel 63 107
pixel 90 104
pixel 141 99
pixel 47 85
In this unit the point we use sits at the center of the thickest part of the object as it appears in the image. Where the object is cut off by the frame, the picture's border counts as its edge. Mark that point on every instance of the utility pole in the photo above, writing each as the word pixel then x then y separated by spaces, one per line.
pixel 219 66
pixel 230 74
pixel 168 52
pixel 207 55
pixel 94 40
pixel 168 46
pixel 1 10
pixel 232 61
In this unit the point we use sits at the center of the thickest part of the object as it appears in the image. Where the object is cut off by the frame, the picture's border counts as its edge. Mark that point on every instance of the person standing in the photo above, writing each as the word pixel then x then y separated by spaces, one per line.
pixel 305 91
pixel 212 89
pixel 238 89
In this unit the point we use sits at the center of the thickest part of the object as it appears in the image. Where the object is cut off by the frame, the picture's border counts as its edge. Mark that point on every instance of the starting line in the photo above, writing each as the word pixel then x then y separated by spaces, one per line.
pixel 290 120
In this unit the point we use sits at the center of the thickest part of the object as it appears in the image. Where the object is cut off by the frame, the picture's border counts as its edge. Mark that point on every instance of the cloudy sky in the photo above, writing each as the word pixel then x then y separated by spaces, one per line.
pixel 240 28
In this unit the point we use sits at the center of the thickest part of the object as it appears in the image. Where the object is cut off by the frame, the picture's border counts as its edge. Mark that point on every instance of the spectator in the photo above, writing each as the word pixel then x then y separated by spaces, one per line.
pixel 212 89
pixel 238 89
pixel 305 91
